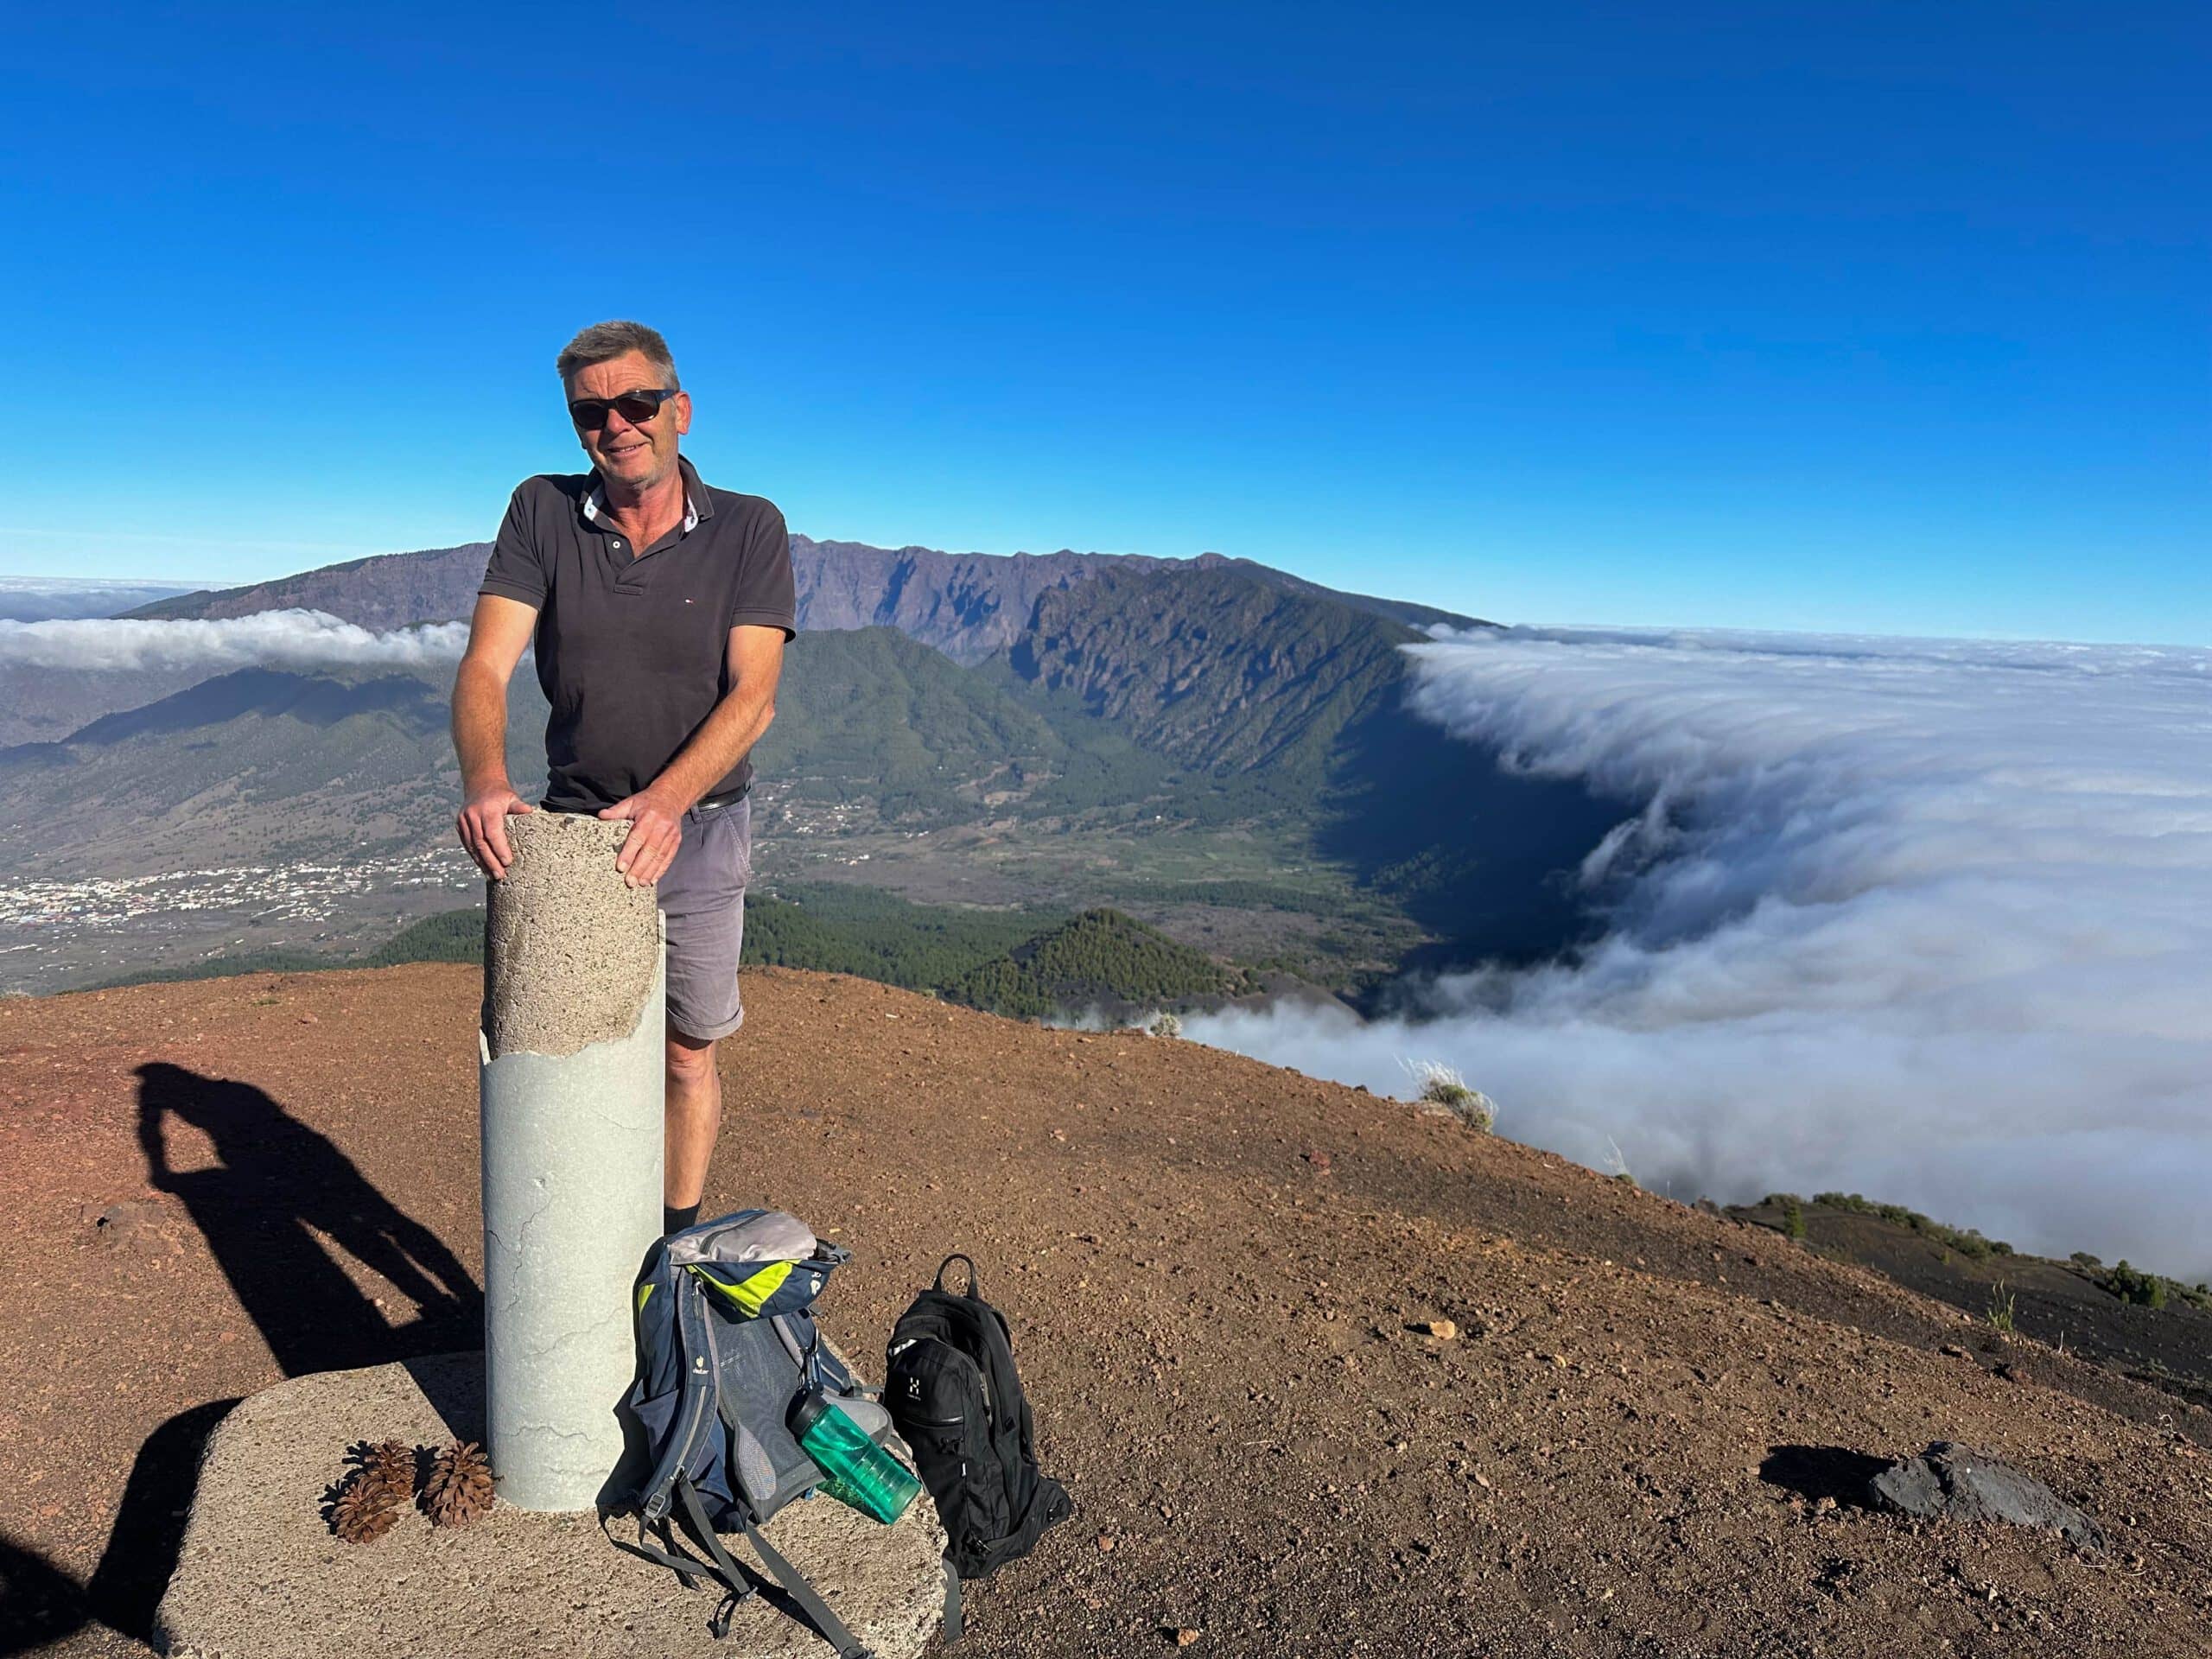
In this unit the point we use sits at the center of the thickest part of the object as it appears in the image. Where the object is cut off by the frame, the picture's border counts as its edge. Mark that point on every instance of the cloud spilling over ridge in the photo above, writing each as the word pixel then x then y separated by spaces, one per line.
pixel 282 639
pixel 1928 920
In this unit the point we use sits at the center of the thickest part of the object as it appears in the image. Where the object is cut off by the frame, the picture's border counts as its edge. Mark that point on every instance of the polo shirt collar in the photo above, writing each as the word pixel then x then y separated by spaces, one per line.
pixel 697 504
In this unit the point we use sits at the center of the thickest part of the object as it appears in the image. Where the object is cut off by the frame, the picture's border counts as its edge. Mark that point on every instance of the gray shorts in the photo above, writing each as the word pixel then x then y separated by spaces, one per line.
pixel 702 898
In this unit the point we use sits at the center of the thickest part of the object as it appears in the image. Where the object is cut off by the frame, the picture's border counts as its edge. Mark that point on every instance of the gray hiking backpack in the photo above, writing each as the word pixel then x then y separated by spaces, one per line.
pixel 726 1346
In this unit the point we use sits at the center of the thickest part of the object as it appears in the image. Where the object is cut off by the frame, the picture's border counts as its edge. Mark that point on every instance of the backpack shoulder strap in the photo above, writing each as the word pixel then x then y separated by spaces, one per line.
pixel 695 1415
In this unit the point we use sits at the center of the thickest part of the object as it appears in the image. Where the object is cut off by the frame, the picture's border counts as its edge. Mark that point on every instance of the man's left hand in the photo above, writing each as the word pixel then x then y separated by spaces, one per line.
pixel 656 832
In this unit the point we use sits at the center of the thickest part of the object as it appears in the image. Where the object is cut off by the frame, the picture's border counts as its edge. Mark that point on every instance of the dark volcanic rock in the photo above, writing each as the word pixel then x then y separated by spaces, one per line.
pixel 1949 1479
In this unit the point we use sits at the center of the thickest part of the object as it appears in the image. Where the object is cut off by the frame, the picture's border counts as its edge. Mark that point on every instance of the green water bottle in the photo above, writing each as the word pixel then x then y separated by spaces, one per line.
pixel 860 1472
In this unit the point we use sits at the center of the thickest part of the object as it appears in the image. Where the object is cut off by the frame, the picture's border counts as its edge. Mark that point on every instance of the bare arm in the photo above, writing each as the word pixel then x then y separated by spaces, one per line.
pixel 655 813
pixel 498 635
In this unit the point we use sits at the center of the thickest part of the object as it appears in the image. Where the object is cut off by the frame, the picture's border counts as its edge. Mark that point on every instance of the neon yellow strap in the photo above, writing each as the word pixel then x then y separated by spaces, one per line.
pixel 753 1292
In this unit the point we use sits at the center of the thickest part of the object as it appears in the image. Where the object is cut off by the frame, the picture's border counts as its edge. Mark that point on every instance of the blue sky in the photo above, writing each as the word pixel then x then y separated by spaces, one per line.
pixel 1894 318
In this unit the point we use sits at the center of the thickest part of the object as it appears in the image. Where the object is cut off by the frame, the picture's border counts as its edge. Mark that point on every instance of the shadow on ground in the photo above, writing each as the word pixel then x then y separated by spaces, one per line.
pixel 1817 1472
pixel 276 1186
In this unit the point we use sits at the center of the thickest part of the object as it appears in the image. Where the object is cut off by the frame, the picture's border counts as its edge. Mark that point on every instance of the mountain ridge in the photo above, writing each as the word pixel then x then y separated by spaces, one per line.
pixel 967 605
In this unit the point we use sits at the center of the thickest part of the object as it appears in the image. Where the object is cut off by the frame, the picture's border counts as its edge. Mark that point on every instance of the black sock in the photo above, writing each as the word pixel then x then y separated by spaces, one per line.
pixel 674 1218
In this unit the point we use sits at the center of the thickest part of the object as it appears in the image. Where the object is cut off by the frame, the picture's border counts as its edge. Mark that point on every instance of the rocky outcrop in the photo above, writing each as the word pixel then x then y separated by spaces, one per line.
pixel 1950 1480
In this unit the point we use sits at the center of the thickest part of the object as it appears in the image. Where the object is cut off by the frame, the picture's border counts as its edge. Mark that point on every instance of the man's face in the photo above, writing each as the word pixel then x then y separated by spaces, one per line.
pixel 636 455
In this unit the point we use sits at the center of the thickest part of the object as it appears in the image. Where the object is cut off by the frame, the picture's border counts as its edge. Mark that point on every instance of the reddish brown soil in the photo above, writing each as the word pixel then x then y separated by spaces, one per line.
pixel 1213 1269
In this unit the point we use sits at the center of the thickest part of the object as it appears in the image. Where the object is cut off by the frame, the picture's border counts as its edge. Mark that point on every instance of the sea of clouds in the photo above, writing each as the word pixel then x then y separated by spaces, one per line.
pixel 34 599
pixel 281 639
pixel 1925 920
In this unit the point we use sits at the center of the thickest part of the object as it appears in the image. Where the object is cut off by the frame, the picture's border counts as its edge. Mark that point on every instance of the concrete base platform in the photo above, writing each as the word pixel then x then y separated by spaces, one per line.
pixel 260 1575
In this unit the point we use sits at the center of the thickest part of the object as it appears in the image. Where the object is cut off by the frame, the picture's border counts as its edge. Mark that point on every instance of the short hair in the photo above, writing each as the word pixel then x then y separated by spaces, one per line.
pixel 604 341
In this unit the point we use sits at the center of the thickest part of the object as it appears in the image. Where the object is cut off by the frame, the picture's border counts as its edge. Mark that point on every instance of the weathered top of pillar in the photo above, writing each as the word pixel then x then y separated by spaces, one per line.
pixel 570 949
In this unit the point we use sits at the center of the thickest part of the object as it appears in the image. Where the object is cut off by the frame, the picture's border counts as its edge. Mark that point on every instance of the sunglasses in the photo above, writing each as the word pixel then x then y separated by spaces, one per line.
pixel 636 407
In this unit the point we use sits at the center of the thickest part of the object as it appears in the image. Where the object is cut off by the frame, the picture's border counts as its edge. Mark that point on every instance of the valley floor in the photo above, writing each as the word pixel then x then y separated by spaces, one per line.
pixel 1215 1272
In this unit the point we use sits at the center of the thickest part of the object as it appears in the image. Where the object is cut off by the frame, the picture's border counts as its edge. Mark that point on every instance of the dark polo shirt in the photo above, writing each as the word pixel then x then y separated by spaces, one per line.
pixel 632 647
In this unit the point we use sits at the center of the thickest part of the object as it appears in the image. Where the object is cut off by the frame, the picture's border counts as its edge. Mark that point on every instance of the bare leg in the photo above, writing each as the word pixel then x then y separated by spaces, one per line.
pixel 694 1117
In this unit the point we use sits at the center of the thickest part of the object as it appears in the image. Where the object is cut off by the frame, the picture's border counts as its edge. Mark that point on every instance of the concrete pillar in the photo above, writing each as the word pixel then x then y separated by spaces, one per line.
pixel 572 1094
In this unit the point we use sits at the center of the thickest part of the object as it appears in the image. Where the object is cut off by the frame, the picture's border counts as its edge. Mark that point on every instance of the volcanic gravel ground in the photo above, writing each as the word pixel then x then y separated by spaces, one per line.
pixel 1216 1273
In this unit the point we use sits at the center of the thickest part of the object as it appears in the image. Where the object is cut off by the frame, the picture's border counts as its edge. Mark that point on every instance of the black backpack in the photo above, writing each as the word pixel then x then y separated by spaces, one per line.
pixel 950 1387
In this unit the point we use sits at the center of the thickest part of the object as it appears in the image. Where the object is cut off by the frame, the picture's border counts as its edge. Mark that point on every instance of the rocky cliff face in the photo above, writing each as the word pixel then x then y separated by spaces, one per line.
pixel 1213 667
pixel 967 605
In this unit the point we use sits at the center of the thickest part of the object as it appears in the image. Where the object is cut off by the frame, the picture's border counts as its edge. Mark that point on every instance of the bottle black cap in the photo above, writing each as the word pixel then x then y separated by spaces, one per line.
pixel 808 1412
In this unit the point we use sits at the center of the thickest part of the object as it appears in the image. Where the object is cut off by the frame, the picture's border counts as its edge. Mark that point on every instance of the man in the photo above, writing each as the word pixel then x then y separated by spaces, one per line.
pixel 660 608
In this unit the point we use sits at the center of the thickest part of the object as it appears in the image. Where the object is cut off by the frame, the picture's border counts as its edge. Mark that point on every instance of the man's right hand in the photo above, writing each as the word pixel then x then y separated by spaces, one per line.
pixel 483 826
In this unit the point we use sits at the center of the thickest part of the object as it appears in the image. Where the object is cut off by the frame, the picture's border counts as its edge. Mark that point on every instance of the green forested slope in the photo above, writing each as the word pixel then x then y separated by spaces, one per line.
pixel 867 713
pixel 1101 957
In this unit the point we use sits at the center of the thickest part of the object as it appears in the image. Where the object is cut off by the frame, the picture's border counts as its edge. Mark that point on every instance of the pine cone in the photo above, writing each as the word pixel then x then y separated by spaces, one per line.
pixel 460 1486
pixel 391 1466
pixel 365 1509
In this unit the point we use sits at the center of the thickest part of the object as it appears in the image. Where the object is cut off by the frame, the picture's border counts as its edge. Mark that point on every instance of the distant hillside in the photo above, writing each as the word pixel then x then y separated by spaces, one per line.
pixel 1102 959
pixel 42 599
pixel 870 713
pixel 391 590
pixel 252 766
pixel 43 704
pixel 2156 1330
pixel 1215 668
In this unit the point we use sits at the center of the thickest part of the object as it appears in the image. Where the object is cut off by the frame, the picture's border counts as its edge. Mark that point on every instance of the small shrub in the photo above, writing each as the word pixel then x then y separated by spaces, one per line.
pixel 1442 1085
pixel 2083 1259
pixel 1793 1218
pixel 2000 1309
pixel 1623 1175
pixel 1165 1024
pixel 2134 1286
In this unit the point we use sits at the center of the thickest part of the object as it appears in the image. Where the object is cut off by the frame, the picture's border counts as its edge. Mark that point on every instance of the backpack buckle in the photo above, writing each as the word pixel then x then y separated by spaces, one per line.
pixel 718 1625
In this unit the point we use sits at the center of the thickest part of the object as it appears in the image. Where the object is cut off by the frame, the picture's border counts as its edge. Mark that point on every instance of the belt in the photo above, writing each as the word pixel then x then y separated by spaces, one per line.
pixel 716 803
